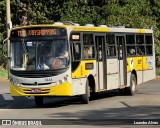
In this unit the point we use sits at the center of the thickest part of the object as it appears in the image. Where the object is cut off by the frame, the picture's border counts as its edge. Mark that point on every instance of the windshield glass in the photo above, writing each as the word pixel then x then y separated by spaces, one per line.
pixel 39 55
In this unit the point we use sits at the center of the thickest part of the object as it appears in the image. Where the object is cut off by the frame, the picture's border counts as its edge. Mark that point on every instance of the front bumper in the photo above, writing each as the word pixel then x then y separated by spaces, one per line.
pixel 63 89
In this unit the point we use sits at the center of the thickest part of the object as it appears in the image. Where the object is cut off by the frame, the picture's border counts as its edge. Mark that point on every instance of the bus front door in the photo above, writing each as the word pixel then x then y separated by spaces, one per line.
pixel 122 60
pixel 101 62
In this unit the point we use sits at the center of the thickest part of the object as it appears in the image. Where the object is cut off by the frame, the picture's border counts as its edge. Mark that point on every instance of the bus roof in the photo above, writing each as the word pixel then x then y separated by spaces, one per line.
pixel 91 28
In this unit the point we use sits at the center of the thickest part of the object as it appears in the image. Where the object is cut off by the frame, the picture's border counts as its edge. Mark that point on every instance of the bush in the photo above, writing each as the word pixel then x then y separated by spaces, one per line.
pixel 158 71
pixel 3 73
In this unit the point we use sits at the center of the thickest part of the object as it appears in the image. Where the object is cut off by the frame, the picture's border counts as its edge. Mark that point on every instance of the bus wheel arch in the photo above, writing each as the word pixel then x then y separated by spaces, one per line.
pixel 91 84
pixel 89 89
pixel 135 73
pixel 86 95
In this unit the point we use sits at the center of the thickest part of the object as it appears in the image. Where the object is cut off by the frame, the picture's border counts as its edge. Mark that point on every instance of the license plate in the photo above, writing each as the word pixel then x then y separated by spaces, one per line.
pixel 35 90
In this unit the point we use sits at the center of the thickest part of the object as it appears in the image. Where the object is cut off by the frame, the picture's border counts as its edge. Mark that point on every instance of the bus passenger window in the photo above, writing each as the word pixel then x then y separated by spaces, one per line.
pixel 139 39
pixel 140 50
pixel 149 50
pixel 76 51
pixel 88 46
pixel 148 39
pixel 110 50
pixel 88 39
pixel 85 52
pixel 148 44
pixel 88 52
pixel 140 44
pixel 110 45
pixel 130 39
pixel 131 50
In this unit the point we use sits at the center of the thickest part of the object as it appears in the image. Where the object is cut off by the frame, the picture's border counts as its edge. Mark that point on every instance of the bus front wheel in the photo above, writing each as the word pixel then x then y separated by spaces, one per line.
pixel 39 101
pixel 132 89
pixel 85 97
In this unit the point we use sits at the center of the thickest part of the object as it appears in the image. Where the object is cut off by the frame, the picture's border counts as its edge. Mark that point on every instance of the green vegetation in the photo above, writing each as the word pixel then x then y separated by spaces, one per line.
pixel 3 73
pixel 158 72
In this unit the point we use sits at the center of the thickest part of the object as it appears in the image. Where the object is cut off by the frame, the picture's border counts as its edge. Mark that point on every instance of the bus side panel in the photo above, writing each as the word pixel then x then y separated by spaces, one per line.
pixel 112 74
pixel 81 70
pixel 78 86
pixel 80 75
pixel 144 67
pixel 149 72
pixel 139 77
pixel 148 75
pixel 112 81
pixel 134 63
pixel 128 78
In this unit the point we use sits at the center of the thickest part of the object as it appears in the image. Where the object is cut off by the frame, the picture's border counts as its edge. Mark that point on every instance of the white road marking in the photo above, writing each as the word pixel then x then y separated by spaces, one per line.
pixel 7 96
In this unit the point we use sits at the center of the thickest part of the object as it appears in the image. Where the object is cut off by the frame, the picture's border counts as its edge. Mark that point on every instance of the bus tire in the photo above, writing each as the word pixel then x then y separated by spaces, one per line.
pixel 85 97
pixel 39 101
pixel 132 89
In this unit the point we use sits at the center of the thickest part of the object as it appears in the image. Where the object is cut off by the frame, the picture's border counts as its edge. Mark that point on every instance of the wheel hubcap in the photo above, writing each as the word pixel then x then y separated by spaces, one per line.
pixel 133 85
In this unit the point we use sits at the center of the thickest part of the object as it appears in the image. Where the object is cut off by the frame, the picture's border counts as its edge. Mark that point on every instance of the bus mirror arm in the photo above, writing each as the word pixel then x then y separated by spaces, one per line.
pixel 3 49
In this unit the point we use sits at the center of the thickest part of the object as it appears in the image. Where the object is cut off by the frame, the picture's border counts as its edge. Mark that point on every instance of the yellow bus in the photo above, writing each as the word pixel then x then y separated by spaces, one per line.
pixel 65 59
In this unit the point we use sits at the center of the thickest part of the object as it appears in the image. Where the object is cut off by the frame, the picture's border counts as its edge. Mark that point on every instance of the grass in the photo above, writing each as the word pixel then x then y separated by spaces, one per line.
pixel 3 73
pixel 158 71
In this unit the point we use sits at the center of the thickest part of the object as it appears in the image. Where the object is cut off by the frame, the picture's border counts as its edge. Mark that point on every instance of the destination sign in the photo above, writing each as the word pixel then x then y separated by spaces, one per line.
pixel 38 31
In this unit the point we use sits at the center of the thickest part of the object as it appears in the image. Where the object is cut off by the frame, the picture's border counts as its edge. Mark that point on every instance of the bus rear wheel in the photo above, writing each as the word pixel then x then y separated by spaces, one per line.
pixel 132 89
pixel 85 97
pixel 39 101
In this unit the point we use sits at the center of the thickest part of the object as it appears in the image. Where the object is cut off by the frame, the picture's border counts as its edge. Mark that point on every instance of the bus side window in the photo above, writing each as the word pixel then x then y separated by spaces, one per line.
pixel 110 50
pixel 88 46
pixel 85 52
pixel 148 44
pixel 131 50
pixel 76 51
pixel 110 45
pixel 88 52
pixel 140 44
pixel 140 50
pixel 130 44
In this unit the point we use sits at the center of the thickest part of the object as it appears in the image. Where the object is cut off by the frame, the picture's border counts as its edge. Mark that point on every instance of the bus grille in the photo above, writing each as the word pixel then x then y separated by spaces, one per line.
pixel 42 91
pixel 32 84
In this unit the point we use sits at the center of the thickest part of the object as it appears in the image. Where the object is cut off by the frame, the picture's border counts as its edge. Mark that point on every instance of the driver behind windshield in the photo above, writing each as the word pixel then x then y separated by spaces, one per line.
pixel 56 56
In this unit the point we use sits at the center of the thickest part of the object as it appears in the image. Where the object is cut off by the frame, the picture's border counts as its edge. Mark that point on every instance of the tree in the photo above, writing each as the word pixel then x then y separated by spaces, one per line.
pixel 128 13
pixel 2 19
pixel 81 12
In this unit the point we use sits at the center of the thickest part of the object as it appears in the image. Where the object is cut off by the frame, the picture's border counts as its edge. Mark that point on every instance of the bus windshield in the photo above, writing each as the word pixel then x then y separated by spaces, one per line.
pixel 39 55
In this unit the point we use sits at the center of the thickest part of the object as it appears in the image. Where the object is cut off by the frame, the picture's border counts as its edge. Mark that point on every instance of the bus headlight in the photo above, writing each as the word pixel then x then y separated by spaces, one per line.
pixel 15 82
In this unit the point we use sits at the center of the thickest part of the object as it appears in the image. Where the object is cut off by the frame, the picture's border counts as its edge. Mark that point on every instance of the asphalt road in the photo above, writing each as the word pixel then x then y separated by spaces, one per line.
pixel 104 109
